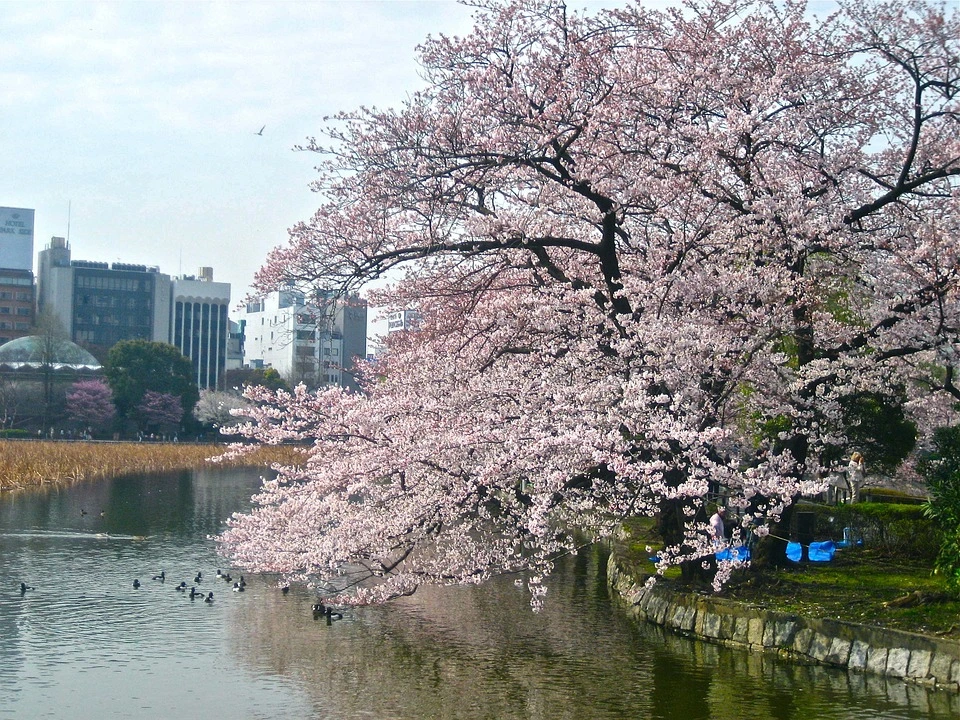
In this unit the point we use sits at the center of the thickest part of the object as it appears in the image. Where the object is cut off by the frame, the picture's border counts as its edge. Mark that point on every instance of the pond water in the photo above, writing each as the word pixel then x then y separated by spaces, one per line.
pixel 84 643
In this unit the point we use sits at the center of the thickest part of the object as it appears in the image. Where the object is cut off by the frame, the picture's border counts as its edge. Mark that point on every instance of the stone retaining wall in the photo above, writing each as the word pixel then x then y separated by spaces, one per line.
pixel 914 658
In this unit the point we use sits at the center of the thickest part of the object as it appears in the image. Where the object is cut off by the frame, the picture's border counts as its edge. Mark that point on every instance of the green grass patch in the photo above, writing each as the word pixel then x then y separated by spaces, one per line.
pixel 860 585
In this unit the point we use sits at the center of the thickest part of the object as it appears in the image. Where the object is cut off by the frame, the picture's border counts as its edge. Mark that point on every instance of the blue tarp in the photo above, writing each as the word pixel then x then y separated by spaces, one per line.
pixel 822 551
pixel 818 551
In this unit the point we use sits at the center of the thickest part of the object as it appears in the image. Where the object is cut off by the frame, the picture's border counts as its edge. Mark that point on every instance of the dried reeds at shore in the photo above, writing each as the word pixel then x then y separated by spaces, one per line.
pixel 38 463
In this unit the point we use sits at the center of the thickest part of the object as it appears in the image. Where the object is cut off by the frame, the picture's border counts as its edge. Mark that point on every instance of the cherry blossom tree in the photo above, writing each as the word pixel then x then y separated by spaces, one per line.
pixel 161 412
pixel 89 405
pixel 655 253
pixel 219 409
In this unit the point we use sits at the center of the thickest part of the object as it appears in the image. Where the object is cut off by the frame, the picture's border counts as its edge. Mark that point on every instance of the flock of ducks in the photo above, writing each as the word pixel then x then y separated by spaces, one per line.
pixel 319 609
pixel 238 586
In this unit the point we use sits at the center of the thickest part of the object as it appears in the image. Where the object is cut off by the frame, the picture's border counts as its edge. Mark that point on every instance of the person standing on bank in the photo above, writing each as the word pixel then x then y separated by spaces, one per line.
pixel 717 530
pixel 856 474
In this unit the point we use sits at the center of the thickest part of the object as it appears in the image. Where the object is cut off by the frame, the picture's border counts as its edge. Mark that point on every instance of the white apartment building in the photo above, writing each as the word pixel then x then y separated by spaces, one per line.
pixel 317 343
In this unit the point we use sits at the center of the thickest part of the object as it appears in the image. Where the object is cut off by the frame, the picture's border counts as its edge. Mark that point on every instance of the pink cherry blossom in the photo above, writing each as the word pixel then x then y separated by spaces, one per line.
pixel 634 236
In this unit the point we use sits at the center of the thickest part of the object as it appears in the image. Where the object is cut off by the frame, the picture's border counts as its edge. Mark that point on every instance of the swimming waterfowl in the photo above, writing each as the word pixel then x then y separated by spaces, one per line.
pixel 136 584
pixel 321 610
pixel 237 587
pixel 194 593
pixel 161 577
pixel 182 587
pixel 197 578
pixel 209 598
pixel 24 587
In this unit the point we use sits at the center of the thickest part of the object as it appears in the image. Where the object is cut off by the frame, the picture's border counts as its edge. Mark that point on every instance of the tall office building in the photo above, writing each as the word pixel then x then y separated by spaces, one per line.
pixel 99 304
pixel 200 327
pixel 16 273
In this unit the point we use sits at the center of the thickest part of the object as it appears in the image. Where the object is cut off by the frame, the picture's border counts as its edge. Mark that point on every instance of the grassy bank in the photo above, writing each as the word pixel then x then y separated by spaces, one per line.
pixel 26 464
pixel 860 585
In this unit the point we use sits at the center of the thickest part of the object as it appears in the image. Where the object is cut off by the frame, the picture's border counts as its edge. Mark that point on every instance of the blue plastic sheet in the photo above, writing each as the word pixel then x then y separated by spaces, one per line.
pixel 822 551
pixel 817 552
pixel 794 551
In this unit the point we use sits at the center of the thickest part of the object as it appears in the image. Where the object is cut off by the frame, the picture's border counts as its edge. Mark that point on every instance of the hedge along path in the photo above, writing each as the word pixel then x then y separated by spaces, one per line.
pixel 38 463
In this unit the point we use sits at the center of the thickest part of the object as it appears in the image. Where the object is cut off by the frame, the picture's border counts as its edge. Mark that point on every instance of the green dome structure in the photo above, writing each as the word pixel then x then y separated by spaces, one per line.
pixel 35 351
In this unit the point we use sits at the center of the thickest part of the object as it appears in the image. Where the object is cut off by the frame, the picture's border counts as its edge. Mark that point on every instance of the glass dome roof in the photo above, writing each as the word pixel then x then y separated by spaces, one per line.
pixel 37 350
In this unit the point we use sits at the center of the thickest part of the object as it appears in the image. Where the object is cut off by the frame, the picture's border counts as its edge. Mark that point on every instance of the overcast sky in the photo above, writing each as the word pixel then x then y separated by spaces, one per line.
pixel 130 126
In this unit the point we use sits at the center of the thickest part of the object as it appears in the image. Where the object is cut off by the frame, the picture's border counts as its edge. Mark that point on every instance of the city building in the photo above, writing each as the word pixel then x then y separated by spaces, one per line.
pixel 317 341
pixel 235 345
pixel 99 304
pixel 16 273
pixel 16 304
pixel 200 326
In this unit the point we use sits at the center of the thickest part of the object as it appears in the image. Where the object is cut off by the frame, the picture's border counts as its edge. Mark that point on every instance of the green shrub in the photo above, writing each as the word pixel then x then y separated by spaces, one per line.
pixel 14 433
pixel 887 495
pixel 891 529
pixel 941 470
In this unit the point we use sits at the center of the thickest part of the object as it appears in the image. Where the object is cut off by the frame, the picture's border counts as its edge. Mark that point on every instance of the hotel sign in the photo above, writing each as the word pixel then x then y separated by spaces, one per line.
pixel 16 238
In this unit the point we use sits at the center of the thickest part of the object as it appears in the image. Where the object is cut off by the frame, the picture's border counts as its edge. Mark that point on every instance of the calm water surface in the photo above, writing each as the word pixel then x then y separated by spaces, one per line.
pixel 85 644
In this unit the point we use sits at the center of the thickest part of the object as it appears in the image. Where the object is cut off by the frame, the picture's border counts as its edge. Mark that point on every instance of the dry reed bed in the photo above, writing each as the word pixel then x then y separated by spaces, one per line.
pixel 25 464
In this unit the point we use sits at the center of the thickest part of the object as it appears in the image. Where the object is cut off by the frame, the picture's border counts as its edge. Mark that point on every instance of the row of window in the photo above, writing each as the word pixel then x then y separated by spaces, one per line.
pixel 114 320
pixel 21 311
pixel 7 325
pixel 106 336
pixel 113 301
pixel 97 282
pixel 21 296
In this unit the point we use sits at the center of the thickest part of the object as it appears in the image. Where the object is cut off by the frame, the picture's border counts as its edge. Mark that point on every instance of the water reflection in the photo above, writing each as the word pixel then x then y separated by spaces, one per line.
pixel 86 642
